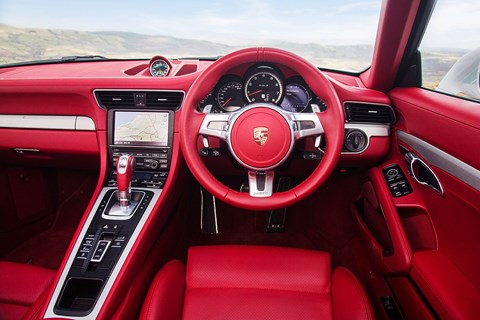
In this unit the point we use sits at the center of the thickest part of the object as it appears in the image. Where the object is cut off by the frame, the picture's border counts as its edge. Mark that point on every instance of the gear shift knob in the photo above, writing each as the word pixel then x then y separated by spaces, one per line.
pixel 125 167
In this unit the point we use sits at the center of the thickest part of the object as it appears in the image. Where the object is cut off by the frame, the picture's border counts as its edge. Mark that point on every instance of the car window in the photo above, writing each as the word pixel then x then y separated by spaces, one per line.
pixel 450 49
pixel 330 34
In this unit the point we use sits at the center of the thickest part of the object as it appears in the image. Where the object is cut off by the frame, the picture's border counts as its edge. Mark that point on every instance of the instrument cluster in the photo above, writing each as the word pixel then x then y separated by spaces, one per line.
pixel 261 83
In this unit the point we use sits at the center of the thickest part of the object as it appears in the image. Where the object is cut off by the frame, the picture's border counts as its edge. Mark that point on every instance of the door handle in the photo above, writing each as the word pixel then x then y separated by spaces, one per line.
pixel 422 173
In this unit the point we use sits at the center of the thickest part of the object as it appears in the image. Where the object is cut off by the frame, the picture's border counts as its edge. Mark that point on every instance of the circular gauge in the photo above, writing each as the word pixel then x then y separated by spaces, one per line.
pixel 208 100
pixel 296 98
pixel 229 96
pixel 159 68
pixel 263 86
pixel 320 103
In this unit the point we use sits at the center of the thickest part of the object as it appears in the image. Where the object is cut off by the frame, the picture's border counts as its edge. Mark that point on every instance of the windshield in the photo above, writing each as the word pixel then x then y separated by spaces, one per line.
pixel 330 34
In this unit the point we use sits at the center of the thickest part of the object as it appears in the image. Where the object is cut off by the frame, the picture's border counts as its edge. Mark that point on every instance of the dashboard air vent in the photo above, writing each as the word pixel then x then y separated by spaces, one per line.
pixel 115 98
pixel 171 100
pixel 165 99
pixel 368 113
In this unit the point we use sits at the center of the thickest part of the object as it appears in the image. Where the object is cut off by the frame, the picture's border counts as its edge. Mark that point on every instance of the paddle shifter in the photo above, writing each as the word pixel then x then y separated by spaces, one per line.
pixel 125 167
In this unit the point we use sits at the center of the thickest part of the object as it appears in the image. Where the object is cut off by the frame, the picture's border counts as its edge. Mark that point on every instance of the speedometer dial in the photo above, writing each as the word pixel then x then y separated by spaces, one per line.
pixel 263 86
pixel 229 96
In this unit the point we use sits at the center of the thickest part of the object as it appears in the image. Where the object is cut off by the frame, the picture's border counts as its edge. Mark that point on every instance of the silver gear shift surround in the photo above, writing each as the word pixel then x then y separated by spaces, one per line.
pixel 124 201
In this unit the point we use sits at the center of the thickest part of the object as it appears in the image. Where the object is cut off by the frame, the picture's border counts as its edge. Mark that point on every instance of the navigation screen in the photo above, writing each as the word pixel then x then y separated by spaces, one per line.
pixel 141 128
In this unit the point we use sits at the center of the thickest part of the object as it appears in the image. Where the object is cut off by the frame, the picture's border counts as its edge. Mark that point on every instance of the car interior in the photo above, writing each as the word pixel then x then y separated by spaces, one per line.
pixel 253 186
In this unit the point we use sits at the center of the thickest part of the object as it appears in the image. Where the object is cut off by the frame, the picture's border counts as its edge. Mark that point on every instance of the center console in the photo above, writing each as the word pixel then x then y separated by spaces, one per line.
pixel 147 136
pixel 139 156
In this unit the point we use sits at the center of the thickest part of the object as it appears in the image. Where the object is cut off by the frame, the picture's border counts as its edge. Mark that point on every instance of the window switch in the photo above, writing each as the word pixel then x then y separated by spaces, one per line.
pixel 396 181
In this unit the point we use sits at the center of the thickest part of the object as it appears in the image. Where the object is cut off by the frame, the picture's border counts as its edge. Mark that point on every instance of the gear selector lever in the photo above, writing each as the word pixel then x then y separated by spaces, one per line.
pixel 123 201
pixel 125 167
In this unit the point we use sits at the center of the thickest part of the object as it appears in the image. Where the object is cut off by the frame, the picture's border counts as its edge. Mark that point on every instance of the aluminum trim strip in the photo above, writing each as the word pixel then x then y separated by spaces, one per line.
pixel 38 122
pixel 48 122
pixel 370 130
pixel 442 160
pixel 85 124
pixel 118 266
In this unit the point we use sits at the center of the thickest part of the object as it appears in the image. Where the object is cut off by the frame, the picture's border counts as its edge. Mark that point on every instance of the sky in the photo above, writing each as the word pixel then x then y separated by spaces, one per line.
pixel 239 22
pixel 303 21
pixel 455 24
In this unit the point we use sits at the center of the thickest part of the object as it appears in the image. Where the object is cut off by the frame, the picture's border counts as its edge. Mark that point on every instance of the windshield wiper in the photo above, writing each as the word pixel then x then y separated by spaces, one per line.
pixel 83 58
pixel 200 58
pixel 65 59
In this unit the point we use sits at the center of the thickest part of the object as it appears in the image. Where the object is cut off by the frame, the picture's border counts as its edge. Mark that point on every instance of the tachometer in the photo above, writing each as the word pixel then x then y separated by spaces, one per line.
pixel 229 96
pixel 265 85
pixel 296 98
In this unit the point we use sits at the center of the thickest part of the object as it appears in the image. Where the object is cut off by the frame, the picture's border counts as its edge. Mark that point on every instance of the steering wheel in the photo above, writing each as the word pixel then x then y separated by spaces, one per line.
pixel 261 136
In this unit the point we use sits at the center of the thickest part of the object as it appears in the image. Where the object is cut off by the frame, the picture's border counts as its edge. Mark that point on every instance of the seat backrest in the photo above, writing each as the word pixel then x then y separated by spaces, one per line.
pixel 21 286
pixel 255 282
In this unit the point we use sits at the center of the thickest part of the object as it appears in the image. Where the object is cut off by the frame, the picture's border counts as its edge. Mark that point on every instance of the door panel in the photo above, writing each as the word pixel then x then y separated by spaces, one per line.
pixel 381 227
pixel 410 300
pixel 444 132
pixel 440 159
pixel 448 123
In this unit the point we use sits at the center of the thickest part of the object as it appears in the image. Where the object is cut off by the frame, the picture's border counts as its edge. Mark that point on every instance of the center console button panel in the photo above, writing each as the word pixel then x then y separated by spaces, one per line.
pixel 149 160
pixel 141 179
pixel 100 251
pixel 100 248
pixel 144 137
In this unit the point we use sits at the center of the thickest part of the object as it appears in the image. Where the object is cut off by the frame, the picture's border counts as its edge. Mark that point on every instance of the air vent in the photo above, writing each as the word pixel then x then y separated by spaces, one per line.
pixel 368 113
pixel 171 100
pixel 115 99
pixel 165 99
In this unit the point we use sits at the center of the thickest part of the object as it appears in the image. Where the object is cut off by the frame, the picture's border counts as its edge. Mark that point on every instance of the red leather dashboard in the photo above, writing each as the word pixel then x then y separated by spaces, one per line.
pixel 67 89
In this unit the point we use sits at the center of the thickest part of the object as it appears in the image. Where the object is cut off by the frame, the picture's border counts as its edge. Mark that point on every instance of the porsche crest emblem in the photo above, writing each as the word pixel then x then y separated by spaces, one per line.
pixel 260 135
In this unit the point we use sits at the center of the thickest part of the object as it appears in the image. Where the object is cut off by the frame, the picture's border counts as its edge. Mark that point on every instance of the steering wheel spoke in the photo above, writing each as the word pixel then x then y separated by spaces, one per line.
pixel 215 125
pixel 260 183
pixel 306 125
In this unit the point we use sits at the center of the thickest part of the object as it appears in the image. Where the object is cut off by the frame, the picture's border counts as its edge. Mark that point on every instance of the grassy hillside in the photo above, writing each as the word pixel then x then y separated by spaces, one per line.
pixel 23 44
pixel 435 64
pixel 26 44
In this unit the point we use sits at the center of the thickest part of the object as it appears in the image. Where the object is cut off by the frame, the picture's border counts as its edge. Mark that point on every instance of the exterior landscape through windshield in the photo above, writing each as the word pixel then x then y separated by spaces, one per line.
pixel 337 35
pixel 330 34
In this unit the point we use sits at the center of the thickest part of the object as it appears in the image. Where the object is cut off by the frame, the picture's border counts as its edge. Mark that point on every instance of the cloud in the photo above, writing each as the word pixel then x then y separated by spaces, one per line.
pixel 454 24
pixel 355 7
pixel 255 22
pixel 238 22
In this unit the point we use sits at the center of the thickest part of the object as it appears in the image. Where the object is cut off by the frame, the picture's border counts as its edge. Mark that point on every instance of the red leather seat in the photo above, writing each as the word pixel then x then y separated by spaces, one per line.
pixel 23 290
pixel 255 282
